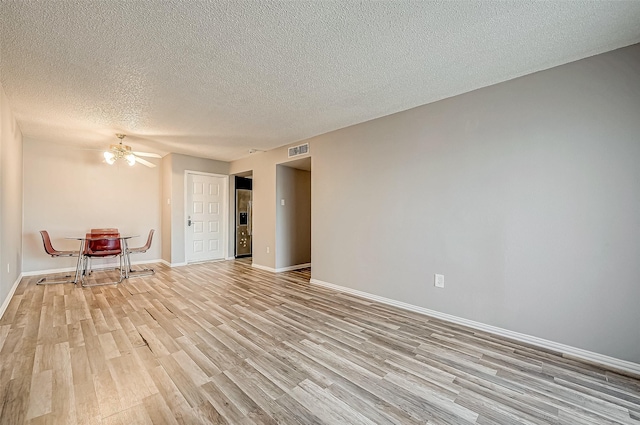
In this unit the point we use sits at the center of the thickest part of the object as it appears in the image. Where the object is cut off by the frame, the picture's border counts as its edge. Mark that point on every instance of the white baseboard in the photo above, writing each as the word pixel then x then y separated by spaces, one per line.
pixel 95 267
pixel 230 258
pixel 168 264
pixel 49 271
pixel 214 260
pixel 265 268
pixel 296 267
pixel 566 350
pixel 281 269
pixel 135 263
pixel 12 291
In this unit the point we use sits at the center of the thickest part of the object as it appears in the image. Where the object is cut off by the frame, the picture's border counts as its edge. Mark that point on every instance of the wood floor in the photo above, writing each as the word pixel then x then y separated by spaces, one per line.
pixel 225 343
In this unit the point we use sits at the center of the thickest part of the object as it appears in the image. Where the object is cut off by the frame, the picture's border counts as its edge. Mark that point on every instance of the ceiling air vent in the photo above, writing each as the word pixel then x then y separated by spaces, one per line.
pixel 299 150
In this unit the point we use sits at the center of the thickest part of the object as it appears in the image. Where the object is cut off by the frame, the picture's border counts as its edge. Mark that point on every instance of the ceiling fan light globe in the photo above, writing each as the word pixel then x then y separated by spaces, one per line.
pixel 109 158
pixel 131 159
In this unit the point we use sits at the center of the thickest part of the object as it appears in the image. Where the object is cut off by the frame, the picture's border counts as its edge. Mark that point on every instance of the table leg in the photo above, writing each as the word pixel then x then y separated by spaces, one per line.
pixel 78 276
pixel 127 264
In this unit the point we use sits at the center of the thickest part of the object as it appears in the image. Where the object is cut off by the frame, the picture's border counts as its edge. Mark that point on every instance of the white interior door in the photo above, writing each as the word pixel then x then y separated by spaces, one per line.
pixel 205 231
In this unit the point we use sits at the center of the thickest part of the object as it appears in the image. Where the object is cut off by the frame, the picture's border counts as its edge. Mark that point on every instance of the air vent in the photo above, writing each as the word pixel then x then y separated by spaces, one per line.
pixel 299 150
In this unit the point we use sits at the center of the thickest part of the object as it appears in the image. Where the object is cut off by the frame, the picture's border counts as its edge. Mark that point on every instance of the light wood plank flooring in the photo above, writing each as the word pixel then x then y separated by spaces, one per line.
pixel 225 343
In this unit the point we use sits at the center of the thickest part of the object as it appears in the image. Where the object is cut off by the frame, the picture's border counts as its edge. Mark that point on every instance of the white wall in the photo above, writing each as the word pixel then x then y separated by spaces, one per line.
pixel 68 191
pixel 10 199
pixel 525 195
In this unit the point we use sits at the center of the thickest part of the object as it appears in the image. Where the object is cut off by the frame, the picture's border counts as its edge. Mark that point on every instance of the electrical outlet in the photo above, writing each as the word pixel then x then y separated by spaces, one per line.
pixel 282 202
pixel 8 268
pixel 268 250
pixel 438 280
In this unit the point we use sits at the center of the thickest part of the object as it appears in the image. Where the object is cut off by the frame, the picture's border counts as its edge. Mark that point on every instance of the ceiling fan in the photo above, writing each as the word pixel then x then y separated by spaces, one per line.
pixel 121 151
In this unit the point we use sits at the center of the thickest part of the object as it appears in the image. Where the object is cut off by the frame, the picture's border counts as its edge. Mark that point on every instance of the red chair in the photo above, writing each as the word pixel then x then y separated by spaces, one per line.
pixel 103 243
pixel 105 231
pixel 140 250
pixel 49 249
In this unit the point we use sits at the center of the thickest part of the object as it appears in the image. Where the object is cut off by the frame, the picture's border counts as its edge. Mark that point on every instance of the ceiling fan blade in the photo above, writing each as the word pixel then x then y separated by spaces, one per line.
pixel 145 162
pixel 147 154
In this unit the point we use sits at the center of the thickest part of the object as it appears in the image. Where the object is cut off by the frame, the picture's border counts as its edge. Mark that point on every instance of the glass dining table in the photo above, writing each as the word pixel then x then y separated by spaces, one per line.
pixel 81 266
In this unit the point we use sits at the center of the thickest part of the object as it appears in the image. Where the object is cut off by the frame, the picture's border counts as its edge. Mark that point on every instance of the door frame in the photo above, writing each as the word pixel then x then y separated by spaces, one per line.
pixel 225 214
pixel 235 218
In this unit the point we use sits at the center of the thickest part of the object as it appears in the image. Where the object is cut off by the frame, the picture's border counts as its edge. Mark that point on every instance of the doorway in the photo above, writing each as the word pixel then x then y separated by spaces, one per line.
pixel 243 216
pixel 293 215
pixel 206 214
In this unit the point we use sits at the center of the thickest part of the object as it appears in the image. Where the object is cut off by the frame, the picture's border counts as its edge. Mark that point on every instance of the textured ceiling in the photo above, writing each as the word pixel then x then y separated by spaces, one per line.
pixel 215 79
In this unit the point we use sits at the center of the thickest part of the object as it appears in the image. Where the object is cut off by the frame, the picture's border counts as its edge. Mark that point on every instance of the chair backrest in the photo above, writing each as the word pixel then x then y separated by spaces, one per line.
pixel 96 245
pixel 148 244
pixel 46 240
pixel 105 231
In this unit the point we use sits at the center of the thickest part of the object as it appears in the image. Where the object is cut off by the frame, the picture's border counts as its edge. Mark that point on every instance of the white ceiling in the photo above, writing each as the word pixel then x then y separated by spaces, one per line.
pixel 215 79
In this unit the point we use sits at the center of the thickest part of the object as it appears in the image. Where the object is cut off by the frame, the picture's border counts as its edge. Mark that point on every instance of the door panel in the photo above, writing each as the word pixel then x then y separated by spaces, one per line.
pixel 205 202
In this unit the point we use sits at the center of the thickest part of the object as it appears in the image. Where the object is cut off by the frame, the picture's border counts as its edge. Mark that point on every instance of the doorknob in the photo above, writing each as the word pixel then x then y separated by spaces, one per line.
pixel 189 221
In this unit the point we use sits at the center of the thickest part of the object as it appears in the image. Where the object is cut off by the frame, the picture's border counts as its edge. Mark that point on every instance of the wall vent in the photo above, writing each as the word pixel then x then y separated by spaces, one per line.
pixel 299 150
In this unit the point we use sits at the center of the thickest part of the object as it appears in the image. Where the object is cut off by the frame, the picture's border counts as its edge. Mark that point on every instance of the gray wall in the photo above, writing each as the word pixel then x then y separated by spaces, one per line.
pixel 176 219
pixel 10 198
pixel 293 219
pixel 525 195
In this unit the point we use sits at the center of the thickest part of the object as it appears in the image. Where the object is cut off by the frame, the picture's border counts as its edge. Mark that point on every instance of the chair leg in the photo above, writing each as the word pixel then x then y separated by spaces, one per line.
pixel 87 285
pixel 120 276
pixel 48 281
pixel 141 272
pixel 137 273
pixel 129 269
pixel 79 264
pixel 45 281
